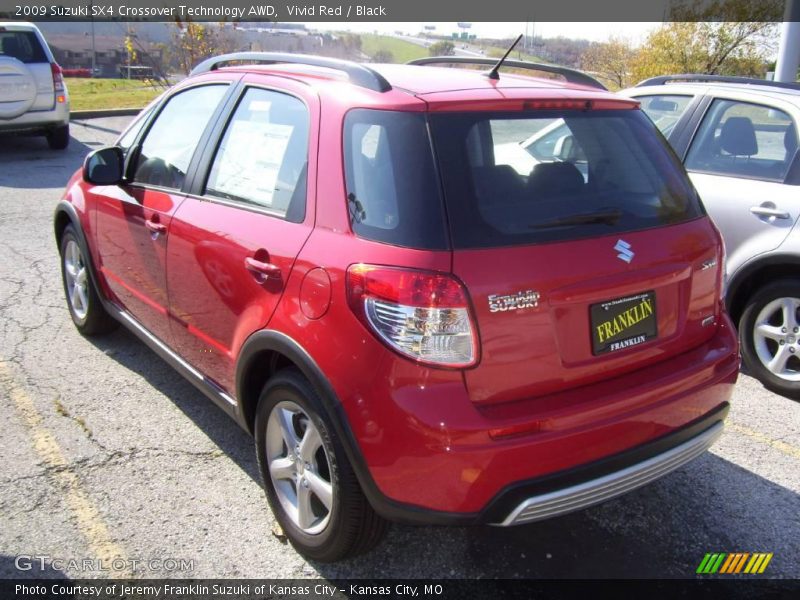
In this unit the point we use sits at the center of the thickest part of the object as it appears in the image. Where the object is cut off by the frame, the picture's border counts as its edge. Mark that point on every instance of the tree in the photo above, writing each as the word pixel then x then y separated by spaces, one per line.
pixel 724 37
pixel 443 48
pixel 383 56
pixel 729 48
pixel 610 61
pixel 193 42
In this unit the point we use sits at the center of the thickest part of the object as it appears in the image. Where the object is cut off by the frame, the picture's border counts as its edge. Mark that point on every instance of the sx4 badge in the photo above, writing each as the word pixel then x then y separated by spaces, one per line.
pixel 516 301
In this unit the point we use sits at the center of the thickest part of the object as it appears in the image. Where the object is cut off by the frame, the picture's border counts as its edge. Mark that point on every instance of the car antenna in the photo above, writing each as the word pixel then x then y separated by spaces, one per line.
pixel 493 74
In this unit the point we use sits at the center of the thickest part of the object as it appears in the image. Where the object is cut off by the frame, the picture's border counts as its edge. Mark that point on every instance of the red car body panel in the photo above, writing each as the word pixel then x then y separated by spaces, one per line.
pixel 448 440
pixel 132 255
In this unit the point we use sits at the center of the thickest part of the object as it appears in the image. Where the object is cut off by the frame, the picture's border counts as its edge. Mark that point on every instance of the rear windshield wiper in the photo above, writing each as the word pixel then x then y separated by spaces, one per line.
pixel 602 217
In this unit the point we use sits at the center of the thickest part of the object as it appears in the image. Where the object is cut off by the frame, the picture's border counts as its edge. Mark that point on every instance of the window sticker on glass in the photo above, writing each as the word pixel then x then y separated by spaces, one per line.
pixel 254 155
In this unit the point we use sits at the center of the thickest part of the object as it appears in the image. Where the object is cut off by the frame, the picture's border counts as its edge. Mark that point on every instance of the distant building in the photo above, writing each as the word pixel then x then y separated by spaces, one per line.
pixel 74 51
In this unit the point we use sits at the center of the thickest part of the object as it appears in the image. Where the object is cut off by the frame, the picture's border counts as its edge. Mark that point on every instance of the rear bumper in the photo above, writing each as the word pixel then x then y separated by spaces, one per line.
pixel 544 505
pixel 439 464
pixel 40 120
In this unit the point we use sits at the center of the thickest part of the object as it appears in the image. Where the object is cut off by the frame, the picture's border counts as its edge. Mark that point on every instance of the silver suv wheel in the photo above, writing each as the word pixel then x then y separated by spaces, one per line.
pixel 769 330
pixel 777 338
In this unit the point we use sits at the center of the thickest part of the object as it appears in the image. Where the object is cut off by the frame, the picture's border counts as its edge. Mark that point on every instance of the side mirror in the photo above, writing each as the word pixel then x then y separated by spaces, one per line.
pixel 662 105
pixel 565 148
pixel 104 166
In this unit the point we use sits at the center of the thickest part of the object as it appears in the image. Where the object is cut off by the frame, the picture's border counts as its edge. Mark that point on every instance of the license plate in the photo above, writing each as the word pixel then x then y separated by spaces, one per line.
pixel 623 323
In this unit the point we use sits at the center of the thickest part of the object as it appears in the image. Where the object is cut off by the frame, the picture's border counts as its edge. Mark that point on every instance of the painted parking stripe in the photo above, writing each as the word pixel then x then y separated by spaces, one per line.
pixel 87 516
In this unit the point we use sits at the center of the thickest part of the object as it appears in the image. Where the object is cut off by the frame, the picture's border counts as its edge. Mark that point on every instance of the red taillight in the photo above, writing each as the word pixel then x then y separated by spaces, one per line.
pixel 58 78
pixel 423 315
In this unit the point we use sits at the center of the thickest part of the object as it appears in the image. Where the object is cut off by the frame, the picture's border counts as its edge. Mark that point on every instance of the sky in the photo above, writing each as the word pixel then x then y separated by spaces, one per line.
pixel 597 32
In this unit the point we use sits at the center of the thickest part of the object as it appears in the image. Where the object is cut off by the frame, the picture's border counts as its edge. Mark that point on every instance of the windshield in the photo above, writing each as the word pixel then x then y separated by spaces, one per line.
pixel 512 178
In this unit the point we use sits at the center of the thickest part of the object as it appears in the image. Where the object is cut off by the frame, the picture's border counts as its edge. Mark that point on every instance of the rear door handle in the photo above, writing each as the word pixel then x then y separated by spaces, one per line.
pixel 769 211
pixel 263 268
pixel 155 226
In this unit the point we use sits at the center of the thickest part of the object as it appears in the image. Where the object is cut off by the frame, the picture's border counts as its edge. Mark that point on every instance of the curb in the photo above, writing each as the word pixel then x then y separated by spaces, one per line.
pixel 106 112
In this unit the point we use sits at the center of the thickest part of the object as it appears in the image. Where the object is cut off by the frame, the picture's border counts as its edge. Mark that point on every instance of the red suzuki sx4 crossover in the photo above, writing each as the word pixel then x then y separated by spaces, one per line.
pixel 431 294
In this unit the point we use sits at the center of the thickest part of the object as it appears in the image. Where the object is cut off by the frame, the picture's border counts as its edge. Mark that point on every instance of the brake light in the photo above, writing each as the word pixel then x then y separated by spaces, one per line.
pixel 58 82
pixel 560 104
pixel 420 314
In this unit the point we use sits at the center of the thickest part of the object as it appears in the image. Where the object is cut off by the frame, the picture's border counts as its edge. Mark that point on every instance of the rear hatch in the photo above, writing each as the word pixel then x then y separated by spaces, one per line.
pixel 26 76
pixel 582 243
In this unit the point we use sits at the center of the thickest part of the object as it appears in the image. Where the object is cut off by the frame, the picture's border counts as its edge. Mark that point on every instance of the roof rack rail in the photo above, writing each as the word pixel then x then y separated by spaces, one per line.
pixel 699 77
pixel 571 75
pixel 359 74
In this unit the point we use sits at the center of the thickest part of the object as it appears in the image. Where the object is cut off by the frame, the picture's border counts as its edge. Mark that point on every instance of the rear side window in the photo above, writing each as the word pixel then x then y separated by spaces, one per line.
pixel 744 140
pixel 664 110
pixel 393 193
pixel 512 178
pixel 263 157
pixel 22 45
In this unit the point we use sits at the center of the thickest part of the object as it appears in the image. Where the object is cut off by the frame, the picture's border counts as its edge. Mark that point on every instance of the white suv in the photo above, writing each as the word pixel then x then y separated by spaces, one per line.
pixel 33 97
pixel 738 140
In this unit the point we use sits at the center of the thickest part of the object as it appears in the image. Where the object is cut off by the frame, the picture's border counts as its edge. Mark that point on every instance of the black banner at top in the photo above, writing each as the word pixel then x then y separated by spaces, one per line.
pixel 393 10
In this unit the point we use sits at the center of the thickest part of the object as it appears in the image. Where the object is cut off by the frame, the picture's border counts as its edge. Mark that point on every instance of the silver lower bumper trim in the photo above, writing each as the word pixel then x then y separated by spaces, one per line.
pixel 614 484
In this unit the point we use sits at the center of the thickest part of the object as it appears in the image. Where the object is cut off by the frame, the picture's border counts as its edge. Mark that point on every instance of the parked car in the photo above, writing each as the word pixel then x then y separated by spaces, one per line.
pixel 738 140
pixel 33 97
pixel 410 328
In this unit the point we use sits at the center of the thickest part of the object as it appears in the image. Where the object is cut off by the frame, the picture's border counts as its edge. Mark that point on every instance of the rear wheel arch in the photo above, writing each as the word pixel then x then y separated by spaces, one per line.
pixel 756 275
pixel 264 354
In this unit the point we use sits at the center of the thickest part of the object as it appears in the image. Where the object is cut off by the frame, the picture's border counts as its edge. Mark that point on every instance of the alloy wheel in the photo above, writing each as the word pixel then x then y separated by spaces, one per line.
pixel 76 279
pixel 299 467
pixel 776 337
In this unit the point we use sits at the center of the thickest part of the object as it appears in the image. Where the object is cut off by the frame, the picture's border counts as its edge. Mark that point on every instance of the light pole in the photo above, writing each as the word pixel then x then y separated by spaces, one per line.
pixel 91 9
pixel 789 52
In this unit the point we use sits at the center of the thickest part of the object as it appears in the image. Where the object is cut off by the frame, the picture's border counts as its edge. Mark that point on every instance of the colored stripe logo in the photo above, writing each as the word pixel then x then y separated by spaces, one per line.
pixel 737 562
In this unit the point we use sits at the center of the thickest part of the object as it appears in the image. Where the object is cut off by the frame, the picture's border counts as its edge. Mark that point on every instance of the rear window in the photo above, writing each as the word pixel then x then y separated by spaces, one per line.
pixel 522 178
pixel 22 45
pixel 393 193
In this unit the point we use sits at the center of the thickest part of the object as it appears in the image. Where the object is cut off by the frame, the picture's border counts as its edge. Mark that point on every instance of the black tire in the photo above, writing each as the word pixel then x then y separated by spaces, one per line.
pixel 353 526
pixel 96 320
pixel 58 138
pixel 758 302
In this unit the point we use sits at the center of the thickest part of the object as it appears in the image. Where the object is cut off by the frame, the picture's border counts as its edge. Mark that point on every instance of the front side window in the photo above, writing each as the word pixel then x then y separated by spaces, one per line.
pixel 170 143
pixel 744 140
pixel 530 177
pixel 129 136
pixel 665 110
pixel 262 160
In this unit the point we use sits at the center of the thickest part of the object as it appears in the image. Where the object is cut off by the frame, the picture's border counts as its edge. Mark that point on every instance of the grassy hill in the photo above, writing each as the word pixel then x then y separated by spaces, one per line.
pixel 92 94
pixel 402 51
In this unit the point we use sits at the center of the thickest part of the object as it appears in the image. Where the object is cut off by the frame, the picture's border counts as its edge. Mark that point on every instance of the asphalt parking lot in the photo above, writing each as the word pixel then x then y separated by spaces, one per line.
pixel 108 454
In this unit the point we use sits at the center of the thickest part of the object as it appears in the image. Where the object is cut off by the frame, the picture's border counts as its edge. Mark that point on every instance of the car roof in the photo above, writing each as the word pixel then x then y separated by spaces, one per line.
pixel 18 26
pixel 787 94
pixel 419 80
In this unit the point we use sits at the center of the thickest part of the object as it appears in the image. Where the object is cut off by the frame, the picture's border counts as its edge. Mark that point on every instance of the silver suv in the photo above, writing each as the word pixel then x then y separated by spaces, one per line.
pixel 738 140
pixel 33 97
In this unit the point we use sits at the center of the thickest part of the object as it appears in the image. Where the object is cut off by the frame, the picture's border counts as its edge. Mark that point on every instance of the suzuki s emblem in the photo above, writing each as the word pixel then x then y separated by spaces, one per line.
pixel 624 249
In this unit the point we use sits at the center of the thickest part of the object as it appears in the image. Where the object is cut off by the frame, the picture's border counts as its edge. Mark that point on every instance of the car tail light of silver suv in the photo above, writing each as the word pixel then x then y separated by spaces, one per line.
pixel 58 83
pixel 422 315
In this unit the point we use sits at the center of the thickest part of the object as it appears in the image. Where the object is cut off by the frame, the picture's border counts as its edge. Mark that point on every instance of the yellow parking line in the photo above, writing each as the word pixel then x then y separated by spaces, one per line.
pixel 787 449
pixel 90 522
